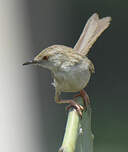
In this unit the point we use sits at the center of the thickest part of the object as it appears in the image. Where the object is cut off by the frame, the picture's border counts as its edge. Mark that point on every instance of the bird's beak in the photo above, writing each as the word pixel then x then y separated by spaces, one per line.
pixel 30 62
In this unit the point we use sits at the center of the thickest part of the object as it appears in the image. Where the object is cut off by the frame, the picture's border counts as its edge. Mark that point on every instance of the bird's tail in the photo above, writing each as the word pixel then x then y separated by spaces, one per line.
pixel 92 30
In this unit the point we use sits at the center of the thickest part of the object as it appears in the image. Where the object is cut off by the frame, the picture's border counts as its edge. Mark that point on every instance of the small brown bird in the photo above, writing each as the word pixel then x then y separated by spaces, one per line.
pixel 70 67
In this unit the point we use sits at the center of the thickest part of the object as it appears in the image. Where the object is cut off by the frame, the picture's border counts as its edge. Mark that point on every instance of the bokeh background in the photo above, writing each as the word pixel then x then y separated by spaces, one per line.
pixel 30 121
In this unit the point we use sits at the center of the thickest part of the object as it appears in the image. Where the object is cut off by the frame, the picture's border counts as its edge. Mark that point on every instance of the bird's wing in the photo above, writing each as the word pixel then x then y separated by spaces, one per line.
pixel 92 30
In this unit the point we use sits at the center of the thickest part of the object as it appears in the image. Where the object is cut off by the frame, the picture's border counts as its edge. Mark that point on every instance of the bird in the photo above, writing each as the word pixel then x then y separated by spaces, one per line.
pixel 70 67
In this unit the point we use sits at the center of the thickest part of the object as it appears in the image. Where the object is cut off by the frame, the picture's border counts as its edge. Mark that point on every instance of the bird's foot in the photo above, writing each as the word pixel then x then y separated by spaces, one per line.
pixel 76 106
pixel 73 104
pixel 85 97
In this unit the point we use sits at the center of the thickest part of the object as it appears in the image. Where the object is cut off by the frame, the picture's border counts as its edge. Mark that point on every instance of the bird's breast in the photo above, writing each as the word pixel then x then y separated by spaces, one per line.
pixel 72 80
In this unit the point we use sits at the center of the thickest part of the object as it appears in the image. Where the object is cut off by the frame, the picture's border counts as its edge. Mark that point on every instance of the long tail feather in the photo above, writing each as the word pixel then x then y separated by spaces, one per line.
pixel 92 30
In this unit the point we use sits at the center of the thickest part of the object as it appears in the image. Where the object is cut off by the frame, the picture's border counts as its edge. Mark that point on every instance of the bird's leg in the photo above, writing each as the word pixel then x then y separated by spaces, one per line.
pixel 72 103
pixel 85 97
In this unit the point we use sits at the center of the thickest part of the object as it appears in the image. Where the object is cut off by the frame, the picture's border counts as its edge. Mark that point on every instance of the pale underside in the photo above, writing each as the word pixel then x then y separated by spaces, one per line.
pixel 72 78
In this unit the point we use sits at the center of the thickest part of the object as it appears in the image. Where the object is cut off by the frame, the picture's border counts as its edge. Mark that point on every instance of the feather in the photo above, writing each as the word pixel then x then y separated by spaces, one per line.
pixel 92 30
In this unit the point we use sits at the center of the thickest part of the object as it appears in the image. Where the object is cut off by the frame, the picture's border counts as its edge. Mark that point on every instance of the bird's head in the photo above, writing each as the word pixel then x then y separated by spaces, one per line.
pixel 50 58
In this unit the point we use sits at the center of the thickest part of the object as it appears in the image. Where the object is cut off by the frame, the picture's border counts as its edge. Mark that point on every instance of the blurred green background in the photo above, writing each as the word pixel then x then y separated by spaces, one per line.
pixel 61 22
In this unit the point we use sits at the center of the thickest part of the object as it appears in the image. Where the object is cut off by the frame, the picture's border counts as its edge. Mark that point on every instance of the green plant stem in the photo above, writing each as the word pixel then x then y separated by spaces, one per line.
pixel 78 135
pixel 70 136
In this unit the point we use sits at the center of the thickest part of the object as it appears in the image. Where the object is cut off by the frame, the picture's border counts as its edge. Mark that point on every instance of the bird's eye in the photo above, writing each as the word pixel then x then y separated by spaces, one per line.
pixel 45 57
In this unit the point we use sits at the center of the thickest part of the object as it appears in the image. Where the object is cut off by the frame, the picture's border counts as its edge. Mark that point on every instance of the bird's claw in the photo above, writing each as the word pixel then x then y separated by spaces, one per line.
pixel 77 106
